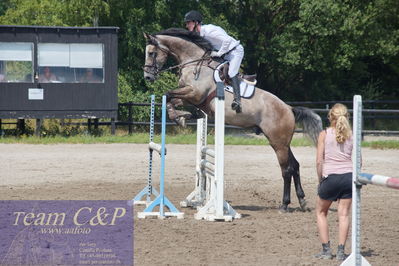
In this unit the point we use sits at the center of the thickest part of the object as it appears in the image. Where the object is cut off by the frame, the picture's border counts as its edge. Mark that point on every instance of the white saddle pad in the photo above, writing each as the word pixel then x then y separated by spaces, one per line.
pixel 246 90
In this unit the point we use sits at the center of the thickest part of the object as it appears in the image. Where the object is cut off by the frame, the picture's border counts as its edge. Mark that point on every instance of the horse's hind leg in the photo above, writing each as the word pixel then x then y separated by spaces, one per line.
pixel 297 180
pixel 289 169
pixel 283 159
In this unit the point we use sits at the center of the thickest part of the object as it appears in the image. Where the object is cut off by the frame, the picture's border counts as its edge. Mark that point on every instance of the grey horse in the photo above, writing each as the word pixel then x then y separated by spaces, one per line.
pixel 264 111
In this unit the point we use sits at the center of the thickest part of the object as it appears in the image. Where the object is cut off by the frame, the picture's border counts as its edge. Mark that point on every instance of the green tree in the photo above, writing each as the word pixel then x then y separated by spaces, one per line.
pixel 300 49
pixel 55 12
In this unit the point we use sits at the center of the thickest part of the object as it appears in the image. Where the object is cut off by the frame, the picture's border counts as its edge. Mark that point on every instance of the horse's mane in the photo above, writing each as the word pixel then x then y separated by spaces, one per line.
pixel 190 36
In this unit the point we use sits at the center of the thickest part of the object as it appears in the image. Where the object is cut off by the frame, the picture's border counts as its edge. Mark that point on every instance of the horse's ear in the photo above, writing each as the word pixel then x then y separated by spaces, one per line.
pixel 150 38
pixel 146 36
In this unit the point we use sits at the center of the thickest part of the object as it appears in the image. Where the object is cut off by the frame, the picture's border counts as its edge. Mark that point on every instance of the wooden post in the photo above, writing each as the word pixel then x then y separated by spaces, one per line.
pixel 38 126
pixel 130 119
pixel 95 123
pixel 113 126
pixel 21 126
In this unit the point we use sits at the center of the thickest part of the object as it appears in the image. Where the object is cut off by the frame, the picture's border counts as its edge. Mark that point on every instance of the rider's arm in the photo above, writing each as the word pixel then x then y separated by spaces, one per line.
pixel 217 33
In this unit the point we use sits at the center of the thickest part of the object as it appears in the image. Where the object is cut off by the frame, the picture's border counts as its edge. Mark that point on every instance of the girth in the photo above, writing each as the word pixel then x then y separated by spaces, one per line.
pixel 205 105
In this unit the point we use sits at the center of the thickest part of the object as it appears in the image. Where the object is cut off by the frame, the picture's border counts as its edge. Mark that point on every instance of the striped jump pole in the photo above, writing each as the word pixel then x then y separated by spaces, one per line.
pixel 359 179
pixel 148 191
pixel 379 180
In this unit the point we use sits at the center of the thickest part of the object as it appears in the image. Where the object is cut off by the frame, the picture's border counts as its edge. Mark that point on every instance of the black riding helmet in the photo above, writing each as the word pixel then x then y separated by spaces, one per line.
pixel 193 15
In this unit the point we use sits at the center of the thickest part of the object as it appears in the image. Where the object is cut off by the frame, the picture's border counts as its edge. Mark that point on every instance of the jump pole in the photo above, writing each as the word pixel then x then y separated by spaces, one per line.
pixel 148 191
pixel 161 200
pixel 359 179
pixel 355 258
pixel 198 196
pixel 216 208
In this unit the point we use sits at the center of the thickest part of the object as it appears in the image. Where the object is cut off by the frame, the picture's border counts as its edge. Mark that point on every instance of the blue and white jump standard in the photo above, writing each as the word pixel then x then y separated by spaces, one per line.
pixel 359 179
pixel 161 200
pixel 148 191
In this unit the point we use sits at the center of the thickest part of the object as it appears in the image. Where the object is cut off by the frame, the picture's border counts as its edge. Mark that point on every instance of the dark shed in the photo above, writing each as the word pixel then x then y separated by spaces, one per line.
pixel 58 72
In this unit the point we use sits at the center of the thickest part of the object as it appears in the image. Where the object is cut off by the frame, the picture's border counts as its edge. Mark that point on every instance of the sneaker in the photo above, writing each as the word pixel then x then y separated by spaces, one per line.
pixel 341 256
pixel 325 254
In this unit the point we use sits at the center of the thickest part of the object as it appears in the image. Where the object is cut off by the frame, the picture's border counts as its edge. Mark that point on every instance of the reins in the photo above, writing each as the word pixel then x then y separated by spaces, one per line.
pixel 196 71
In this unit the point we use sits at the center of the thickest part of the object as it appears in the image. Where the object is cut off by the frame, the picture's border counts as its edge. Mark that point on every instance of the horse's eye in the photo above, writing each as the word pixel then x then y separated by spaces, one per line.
pixel 152 54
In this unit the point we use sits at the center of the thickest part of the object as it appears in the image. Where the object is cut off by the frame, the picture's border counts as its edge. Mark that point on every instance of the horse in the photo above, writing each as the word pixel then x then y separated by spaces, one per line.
pixel 264 111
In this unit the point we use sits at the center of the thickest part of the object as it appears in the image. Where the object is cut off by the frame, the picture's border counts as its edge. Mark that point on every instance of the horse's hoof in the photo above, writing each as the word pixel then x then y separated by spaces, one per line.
pixel 283 209
pixel 303 203
pixel 181 121
pixel 198 114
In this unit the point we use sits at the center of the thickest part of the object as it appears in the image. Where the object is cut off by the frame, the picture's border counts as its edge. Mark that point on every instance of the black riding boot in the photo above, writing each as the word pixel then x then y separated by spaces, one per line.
pixel 236 105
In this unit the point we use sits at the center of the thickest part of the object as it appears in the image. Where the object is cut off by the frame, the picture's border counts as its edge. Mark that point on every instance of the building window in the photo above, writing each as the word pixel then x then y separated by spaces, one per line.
pixel 71 63
pixel 16 62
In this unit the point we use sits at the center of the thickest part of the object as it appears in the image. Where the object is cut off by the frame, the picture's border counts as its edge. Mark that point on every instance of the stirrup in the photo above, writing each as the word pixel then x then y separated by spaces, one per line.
pixel 236 106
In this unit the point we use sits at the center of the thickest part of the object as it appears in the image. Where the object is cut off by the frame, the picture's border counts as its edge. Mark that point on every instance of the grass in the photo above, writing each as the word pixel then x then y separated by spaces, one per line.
pixel 381 144
pixel 174 139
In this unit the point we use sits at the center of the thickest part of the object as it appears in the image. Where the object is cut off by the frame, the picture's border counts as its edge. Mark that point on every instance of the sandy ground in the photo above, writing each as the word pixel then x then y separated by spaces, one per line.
pixel 253 187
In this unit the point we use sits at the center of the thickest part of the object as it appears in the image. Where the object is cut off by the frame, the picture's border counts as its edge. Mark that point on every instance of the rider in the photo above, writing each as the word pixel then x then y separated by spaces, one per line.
pixel 225 45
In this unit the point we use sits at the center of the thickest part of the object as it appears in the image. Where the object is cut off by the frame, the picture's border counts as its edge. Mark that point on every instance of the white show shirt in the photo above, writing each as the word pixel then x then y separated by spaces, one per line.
pixel 219 39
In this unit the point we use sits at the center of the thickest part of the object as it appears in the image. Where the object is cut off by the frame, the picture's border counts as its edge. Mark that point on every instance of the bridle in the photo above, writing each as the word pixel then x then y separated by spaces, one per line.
pixel 154 64
pixel 156 70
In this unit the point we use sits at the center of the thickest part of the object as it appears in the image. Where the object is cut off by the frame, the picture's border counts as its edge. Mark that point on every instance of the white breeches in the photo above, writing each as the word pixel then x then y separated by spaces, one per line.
pixel 235 57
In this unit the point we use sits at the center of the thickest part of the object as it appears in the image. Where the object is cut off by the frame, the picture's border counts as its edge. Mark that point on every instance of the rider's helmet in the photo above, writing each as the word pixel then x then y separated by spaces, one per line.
pixel 193 15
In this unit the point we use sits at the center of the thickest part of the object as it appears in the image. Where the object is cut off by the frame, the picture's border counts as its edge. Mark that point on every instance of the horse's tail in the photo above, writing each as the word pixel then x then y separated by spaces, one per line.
pixel 312 124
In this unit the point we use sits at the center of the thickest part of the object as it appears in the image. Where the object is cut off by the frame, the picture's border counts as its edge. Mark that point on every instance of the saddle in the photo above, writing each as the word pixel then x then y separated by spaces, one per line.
pixel 247 85
pixel 223 74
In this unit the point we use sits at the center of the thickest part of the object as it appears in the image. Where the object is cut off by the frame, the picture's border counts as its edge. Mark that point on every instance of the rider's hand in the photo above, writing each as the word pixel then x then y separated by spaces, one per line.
pixel 215 54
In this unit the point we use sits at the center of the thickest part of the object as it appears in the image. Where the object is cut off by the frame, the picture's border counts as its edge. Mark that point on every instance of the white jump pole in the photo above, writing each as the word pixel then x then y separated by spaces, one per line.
pixel 216 208
pixel 355 258
pixel 219 153
pixel 197 197
pixel 359 179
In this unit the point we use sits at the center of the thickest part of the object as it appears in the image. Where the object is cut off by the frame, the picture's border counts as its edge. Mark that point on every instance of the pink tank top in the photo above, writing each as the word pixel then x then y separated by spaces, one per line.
pixel 337 157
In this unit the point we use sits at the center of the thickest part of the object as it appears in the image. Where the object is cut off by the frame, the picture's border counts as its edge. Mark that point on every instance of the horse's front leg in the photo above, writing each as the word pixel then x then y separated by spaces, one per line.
pixel 179 116
pixel 186 93
pixel 176 98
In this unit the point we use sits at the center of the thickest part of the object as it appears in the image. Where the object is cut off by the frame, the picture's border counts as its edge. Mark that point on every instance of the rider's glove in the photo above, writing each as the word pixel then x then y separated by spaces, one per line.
pixel 215 54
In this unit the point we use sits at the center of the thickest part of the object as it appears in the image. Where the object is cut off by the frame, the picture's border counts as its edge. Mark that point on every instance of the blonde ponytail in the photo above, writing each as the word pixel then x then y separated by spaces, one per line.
pixel 339 119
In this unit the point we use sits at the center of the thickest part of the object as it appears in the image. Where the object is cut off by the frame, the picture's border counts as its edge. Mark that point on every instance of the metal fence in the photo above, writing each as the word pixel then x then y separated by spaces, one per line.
pixel 387 111
pixel 371 114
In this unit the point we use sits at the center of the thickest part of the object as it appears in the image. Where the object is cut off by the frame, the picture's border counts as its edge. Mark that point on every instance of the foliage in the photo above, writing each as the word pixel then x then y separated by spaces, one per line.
pixel 300 49
pixel 18 70
pixel 55 12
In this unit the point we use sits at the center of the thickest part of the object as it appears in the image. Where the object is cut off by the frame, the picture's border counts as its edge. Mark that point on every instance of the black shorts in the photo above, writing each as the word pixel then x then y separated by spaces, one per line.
pixel 336 186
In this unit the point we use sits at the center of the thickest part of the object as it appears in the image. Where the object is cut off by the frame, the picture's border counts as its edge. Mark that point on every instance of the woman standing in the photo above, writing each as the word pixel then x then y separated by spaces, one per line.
pixel 334 170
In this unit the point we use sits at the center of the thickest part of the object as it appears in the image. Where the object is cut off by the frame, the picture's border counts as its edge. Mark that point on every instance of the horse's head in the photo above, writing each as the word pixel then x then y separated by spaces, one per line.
pixel 155 56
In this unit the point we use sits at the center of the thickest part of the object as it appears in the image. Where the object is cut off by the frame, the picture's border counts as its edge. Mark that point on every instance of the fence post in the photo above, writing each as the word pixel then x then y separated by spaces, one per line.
pixel 113 126
pixel 38 126
pixel 130 118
